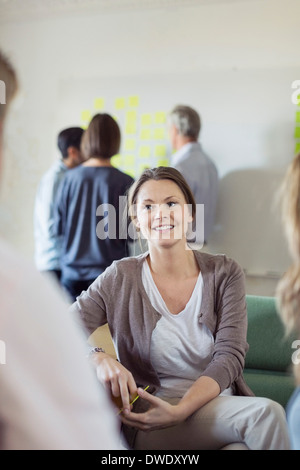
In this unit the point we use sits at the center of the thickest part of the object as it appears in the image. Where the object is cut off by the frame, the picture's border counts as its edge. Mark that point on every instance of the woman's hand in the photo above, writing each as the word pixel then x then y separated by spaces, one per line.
pixel 160 414
pixel 117 379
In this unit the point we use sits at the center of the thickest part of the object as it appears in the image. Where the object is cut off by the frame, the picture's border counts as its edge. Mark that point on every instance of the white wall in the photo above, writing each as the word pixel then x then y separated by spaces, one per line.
pixel 218 38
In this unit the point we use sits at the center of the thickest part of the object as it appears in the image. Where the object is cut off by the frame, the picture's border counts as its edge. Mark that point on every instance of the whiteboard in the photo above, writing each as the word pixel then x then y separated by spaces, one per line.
pixel 248 123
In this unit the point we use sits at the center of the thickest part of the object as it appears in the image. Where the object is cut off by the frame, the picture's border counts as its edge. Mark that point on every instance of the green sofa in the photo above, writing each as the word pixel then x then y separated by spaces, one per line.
pixel 268 366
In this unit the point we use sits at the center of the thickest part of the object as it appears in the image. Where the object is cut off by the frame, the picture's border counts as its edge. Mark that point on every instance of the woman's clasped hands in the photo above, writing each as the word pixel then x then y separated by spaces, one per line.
pixel 122 387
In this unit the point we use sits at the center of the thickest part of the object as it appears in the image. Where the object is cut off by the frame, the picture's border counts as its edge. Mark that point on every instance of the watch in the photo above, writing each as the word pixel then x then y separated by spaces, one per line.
pixel 95 350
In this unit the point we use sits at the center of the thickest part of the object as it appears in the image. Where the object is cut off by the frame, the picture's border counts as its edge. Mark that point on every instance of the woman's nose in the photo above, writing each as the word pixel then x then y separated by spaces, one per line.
pixel 160 212
pixel 157 212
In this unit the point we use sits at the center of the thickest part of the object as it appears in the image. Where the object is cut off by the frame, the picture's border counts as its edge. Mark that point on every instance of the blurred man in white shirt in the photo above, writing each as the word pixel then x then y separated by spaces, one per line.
pixel 47 245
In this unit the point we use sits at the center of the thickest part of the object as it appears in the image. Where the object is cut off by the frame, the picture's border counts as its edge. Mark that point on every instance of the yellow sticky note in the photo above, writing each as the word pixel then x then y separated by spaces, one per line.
pixel 120 103
pixel 159 133
pixel 86 115
pixel 163 162
pixel 146 119
pixel 99 104
pixel 160 117
pixel 297 148
pixel 297 132
pixel 144 151
pixel 145 134
pixel 116 160
pixel 129 144
pixel 131 116
pixel 160 151
pixel 130 128
pixel 298 116
pixel 129 161
pixel 133 101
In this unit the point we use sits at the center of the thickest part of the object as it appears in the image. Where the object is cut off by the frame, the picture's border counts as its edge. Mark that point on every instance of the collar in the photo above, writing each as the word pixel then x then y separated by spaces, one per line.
pixel 178 156
pixel 61 164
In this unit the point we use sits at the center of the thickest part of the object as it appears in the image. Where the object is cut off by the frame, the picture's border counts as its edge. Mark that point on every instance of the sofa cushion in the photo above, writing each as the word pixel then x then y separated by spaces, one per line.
pixel 268 347
pixel 276 386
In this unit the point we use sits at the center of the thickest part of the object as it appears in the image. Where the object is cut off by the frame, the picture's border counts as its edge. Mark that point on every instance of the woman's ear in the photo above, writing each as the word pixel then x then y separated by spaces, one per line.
pixel 188 215
pixel 190 218
pixel 135 223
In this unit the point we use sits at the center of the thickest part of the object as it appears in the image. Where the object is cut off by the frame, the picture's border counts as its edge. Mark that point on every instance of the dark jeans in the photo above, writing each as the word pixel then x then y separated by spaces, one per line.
pixel 74 288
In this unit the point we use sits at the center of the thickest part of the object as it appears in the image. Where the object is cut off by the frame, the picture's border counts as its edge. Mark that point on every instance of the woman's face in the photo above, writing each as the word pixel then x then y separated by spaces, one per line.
pixel 162 212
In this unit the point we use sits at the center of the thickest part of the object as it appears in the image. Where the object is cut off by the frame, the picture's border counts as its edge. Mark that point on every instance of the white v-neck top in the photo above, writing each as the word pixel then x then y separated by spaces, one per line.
pixel 181 347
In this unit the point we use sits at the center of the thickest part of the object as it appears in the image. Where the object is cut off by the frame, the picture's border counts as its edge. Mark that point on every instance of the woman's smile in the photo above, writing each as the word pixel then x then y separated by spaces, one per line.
pixel 162 228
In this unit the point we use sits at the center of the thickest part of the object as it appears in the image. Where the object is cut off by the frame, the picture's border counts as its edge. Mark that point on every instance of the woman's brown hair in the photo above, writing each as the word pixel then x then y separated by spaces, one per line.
pixel 102 138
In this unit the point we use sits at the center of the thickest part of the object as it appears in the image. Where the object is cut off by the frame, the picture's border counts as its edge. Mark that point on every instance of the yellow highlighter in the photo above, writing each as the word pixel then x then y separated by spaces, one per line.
pixel 132 402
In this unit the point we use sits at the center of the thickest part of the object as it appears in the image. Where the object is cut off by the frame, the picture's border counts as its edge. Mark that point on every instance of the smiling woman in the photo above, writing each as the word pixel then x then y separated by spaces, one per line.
pixel 161 205
pixel 179 324
pixel 166 217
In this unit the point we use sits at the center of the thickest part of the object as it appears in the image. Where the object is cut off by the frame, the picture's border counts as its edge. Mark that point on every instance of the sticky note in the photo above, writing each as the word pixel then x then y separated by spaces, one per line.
pixel 145 151
pixel 99 104
pixel 146 119
pixel 130 128
pixel 120 103
pixel 297 148
pixel 133 101
pixel 160 117
pixel 298 116
pixel 297 132
pixel 160 151
pixel 131 116
pixel 116 160
pixel 129 144
pixel 145 134
pixel 163 162
pixel 86 115
pixel 129 160
pixel 159 133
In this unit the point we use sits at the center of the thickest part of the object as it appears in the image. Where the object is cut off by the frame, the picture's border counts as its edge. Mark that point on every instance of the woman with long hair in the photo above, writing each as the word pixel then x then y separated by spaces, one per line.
pixel 288 289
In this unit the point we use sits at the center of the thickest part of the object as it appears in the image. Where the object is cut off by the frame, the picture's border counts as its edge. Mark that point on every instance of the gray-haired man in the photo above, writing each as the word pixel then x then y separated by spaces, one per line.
pixel 198 169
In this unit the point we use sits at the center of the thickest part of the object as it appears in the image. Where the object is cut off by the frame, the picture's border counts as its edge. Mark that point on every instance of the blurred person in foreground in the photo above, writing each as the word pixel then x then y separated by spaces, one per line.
pixel 49 397
pixel 288 289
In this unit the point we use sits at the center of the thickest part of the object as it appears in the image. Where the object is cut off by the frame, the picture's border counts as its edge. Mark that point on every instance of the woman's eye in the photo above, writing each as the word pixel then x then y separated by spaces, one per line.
pixel 148 207
pixel 171 204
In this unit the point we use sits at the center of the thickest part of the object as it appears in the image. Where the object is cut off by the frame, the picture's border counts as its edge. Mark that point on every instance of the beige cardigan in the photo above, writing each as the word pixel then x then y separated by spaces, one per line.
pixel 117 297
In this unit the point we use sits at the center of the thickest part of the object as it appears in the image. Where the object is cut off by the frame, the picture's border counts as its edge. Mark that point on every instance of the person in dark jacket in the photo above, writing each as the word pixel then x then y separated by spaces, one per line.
pixel 89 208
